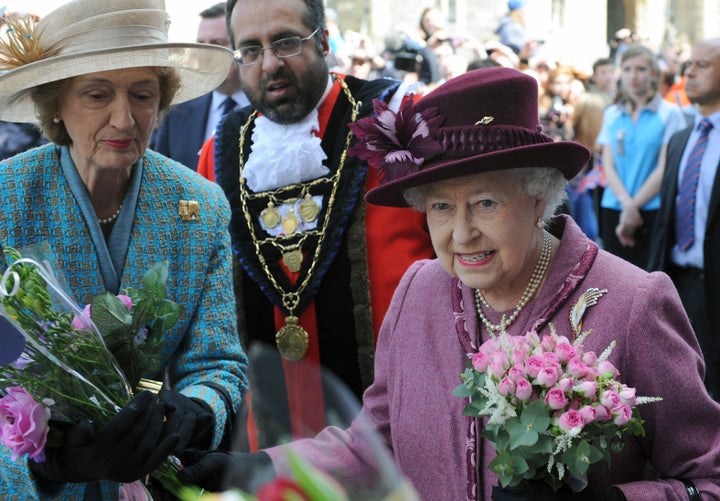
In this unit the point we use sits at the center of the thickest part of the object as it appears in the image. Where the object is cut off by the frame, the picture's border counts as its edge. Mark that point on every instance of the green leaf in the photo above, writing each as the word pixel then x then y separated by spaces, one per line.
pixel 509 468
pixel 521 434
pixel 155 280
pixel 110 315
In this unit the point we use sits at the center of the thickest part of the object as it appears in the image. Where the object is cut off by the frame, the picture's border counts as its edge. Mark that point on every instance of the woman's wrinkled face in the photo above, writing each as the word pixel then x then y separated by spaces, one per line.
pixel 483 229
pixel 110 116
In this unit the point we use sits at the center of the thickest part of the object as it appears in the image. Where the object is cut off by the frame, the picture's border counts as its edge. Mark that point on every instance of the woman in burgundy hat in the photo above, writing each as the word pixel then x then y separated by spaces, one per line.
pixel 472 157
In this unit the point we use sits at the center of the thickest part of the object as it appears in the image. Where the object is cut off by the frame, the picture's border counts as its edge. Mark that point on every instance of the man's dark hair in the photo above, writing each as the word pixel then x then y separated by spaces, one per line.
pixel 602 62
pixel 314 18
pixel 216 10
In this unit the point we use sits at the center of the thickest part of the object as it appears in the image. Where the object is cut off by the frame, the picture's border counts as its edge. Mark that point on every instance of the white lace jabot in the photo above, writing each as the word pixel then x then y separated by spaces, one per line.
pixel 284 154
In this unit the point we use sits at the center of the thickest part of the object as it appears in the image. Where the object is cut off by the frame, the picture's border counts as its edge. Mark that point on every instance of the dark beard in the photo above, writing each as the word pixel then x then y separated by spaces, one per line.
pixel 287 112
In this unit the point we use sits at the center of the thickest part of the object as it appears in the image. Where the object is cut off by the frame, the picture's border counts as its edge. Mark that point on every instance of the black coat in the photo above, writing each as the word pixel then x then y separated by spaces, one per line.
pixel 663 237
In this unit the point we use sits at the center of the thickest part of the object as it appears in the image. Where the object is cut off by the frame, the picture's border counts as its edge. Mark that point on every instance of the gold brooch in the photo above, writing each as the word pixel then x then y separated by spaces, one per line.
pixel 189 210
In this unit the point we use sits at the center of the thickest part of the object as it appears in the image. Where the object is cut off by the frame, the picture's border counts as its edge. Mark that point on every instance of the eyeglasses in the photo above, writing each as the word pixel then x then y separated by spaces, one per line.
pixel 285 47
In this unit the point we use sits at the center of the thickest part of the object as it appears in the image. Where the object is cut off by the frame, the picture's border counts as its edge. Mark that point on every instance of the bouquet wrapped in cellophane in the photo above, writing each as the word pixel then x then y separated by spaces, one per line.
pixel 62 364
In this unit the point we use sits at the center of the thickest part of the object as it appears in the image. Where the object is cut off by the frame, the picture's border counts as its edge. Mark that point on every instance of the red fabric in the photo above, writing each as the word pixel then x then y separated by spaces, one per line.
pixel 206 162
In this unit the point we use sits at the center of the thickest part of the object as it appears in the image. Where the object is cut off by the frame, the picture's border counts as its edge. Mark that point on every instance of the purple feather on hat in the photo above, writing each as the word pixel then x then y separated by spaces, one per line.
pixel 398 143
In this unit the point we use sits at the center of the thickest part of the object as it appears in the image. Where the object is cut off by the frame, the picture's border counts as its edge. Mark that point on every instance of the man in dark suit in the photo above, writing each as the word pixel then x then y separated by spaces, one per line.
pixel 188 125
pixel 686 245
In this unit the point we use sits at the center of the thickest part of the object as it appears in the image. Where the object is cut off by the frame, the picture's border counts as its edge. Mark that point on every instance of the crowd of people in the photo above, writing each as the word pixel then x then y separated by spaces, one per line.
pixel 378 214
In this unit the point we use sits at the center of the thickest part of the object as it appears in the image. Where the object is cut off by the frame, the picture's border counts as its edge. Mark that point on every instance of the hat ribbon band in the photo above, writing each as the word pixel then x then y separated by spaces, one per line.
pixel 463 141
pixel 108 38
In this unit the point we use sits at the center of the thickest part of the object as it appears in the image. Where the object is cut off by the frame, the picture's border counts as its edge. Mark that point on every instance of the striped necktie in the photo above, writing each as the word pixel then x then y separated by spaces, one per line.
pixel 685 208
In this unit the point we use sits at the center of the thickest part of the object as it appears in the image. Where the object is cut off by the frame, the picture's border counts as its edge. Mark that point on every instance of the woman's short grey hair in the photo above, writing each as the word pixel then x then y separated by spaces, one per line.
pixel 546 183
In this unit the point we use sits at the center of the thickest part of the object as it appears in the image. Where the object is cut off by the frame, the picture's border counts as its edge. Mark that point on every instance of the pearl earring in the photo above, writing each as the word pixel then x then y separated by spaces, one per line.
pixel 56 120
pixel 539 223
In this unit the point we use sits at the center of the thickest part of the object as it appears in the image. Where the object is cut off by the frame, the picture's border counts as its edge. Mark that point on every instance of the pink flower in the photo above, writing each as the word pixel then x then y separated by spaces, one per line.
pixel 533 365
pixel 127 300
pixel 398 143
pixel 523 389
pixel 556 399
pixel 548 376
pixel 607 370
pixel 480 361
pixel 565 384
pixel 550 358
pixel 82 322
pixel 499 363
pixel 577 368
pixel 627 396
pixel 570 420
pixel 23 424
pixel 610 399
pixel 588 413
pixel 621 414
pixel 516 373
pixel 588 389
pixel 564 351
pixel 134 491
pixel 506 386
pixel 519 357
pixel 601 413
pixel 589 357
pixel 547 343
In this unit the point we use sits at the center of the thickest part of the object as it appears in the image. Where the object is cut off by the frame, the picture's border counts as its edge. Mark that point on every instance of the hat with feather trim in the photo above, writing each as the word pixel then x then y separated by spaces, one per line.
pixel 87 36
pixel 484 120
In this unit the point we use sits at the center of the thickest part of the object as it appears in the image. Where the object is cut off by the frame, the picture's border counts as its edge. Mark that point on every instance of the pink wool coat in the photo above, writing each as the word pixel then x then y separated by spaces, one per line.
pixel 422 350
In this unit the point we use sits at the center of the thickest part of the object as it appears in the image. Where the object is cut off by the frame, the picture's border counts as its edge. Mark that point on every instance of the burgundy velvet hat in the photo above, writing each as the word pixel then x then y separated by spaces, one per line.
pixel 484 120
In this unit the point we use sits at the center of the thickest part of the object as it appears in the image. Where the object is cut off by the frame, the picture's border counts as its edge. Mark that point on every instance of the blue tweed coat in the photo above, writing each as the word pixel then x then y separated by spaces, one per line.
pixel 39 207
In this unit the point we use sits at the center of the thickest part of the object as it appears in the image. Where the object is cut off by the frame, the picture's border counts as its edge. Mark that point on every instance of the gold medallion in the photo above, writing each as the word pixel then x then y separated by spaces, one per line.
pixel 290 223
pixel 270 216
pixel 293 260
pixel 308 209
pixel 292 340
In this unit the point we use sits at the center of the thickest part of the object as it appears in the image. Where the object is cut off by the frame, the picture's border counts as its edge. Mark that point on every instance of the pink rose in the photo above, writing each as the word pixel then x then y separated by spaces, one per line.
pixel 516 373
pixel 627 396
pixel 550 358
pixel 589 357
pixel 533 365
pixel 571 419
pixel 23 424
pixel 82 322
pixel 489 347
pixel 523 389
pixel 480 361
pixel 564 352
pixel 127 300
pixel 601 413
pixel 610 399
pixel 506 386
pixel 577 368
pixel 588 413
pixel 134 491
pixel 588 389
pixel 547 343
pixel 621 414
pixel 565 384
pixel 556 399
pixel 532 338
pixel 519 357
pixel 607 370
pixel 498 364
pixel 548 376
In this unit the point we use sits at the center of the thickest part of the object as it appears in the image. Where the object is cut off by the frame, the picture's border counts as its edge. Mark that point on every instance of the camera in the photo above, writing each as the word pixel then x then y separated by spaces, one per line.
pixel 407 61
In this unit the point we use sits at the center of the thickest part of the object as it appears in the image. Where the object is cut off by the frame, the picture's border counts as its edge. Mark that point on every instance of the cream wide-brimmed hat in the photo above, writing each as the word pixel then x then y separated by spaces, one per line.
pixel 87 36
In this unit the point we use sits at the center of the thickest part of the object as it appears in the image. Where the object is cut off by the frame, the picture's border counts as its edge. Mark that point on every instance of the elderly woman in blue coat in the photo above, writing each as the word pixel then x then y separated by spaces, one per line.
pixel 97 76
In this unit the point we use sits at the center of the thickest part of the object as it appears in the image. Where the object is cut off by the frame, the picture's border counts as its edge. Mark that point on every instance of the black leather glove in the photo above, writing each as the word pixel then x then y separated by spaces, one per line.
pixel 191 418
pixel 218 470
pixel 542 492
pixel 124 450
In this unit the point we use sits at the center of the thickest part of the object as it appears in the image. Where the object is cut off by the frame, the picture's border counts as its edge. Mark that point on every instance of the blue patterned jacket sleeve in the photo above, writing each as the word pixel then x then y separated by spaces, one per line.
pixel 203 347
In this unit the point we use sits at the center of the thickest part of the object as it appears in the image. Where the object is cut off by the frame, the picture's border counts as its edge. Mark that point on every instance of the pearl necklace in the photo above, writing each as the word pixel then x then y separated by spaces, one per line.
pixel 112 218
pixel 537 276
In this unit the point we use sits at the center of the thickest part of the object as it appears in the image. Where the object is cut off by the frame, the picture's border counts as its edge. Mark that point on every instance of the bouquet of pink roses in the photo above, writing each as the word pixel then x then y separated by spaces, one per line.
pixel 552 408
pixel 62 365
